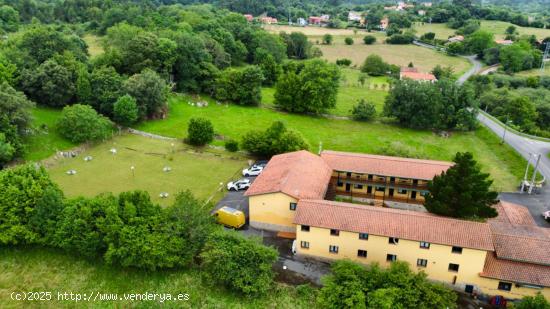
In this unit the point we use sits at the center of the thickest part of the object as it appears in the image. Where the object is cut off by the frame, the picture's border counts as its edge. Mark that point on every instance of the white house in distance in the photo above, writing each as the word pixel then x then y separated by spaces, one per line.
pixel 504 42
pixel 456 38
pixel 354 16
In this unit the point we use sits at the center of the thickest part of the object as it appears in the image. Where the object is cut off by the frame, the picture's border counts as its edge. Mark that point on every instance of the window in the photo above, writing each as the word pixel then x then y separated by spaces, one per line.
pixel 364 236
pixel 340 183
pixel 356 186
pixel 453 267
pixel 457 250
pixel 424 245
pixel 392 179
pixel 391 257
pixel 505 286
pixel 348 174
pixel 292 206
pixel 370 177
pixel 334 232
pixel 379 188
pixel 415 182
pixel 424 193
pixel 305 228
pixel 393 240
pixel 421 262
pixel 333 249
pixel 402 191
pixel 362 253
pixel 304 244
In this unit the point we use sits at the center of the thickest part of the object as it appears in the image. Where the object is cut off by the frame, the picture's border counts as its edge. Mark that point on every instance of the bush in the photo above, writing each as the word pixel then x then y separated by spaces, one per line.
pixel 241 86
pixel 200 131
pixel 81 123
pixel 150 92
pixel 374 66
pixel 241 264
pixel 327 39
pixel 275 140
pixel 400 39
pixel 369 39
pixel 348 41
pixel 343 62
pixel 363 111
pixel 428 36
pixel 231 145
pixel 125 110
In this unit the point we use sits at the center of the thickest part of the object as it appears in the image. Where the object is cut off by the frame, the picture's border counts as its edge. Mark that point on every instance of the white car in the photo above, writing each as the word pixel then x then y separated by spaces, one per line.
pixel 241 184
pixel 546 215
pixel 252 171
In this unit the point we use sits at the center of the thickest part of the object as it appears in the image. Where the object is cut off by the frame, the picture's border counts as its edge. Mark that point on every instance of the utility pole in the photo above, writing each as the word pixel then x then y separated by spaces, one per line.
pixel 546 51
pixel 526 174
pixel 505 128
pixel 534 174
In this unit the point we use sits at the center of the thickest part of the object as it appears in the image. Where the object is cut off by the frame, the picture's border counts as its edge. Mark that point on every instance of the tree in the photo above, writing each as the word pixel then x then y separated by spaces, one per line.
pixel 22 190
pixel 51 84
pixel 348 41
pixel 298 45
pixel 363 111
pixel 369 39
pixel 510 30
pixel 81 123
pixel 241 86
pixel 125 110
pixel 443 72
pixel 275 140
pixel 533 302
pixel 344 287
pixel 106 85
pixel 231 145
pixel 374 66
pixel 455 48
pixel 269 66
pixel 9 18
pixel 479 41
pixel 150 92
pixel 312 89
pixel 519 56
pixel 15 120
pixel 199 131
pixel 428 36
pixel 242 264
pixel 327 39
pixel 463 191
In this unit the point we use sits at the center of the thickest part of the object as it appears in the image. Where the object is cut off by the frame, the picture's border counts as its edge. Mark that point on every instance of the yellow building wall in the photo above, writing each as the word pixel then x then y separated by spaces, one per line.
pixel 272 212
pixel 470 262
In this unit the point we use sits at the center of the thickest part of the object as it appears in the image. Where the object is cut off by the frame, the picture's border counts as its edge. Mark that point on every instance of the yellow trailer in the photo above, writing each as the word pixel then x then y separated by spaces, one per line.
pixel 230 217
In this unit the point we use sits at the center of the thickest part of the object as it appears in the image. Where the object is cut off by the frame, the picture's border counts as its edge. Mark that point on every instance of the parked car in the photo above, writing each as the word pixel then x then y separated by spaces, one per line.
pixel 261 164
pixel 230 217
pixel 241 184
pixel 252 171
pixel 546 215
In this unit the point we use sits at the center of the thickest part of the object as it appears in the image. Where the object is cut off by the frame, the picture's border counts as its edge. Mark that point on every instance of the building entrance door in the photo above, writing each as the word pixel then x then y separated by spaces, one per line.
pixel 348 187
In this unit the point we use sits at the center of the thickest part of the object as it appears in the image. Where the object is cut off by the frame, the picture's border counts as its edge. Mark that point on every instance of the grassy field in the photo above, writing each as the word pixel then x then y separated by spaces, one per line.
pixel 199 172
pixel 536 72
pixel 46 141
pixel 94 45
pixel 33 269
pixel 422 58
pixel 351 91
pixel 496 27
pixel 504 164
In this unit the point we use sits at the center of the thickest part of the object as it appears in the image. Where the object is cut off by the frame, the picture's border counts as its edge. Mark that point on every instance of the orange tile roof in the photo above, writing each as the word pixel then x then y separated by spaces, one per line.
pixel 525 243
pixel 516 271
pixel 384 165
pixel 513 214
pixel 299 174
pixel 388 222
pixel 418 76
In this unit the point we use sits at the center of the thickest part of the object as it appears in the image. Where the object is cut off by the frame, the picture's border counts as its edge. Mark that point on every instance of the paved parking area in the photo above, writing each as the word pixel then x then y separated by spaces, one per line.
pixel 536 203
pixel 235 199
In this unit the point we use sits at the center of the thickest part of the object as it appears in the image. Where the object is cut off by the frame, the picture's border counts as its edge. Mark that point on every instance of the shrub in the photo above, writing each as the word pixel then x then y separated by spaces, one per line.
pixel 125 110
pixel 241 86
pixel 231 145
pixel 400 39
pixel 428 36
pixel 150 92
pixel 369 39
pixel 327 39
pixel 374 66
pixel 348 41
pixel 343 62
pixel 200 131
pixel 81 123
pixel 363 111
pixel 275 140
pixel 242 264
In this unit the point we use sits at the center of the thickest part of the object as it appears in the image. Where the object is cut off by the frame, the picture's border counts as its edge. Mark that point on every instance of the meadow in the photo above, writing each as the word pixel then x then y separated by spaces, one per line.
pixel 37 269
pixel 498 28
pixel 199 170
pixel 422 58
pixel 94 44
pixel 378 137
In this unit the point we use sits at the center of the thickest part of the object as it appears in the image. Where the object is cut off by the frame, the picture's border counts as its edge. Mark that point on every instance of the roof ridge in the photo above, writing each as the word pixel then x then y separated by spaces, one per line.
pixel 545 239
pixel 389 158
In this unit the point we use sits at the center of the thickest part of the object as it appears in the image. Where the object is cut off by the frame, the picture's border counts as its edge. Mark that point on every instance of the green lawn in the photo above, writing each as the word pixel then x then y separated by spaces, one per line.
pixel 200 172
pixel 496 27
pixel 536 72
pixel 233 121
pixel 46 140
pixel 351 91
pixel 48 270
pixel 94 45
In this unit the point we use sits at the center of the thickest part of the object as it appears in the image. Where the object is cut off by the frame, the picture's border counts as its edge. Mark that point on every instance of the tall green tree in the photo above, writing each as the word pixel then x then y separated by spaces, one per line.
pixel 150 92
pixel 275 140
pixel 241 86
pixel 374 66
pixel 199 131
pixel 81 123
pixel 533 302
pixel 106 85
pixel 125 111
pixel 463 191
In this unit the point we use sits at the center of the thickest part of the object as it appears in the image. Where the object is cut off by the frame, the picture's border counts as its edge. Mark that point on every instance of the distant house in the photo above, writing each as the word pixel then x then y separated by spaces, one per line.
pixel 354 16
pixel 456 38
pixel 268 20
pixel 318 20
pixel 412 73
pixel 504 42
pixel 301 21
pixel 248 17
pixel 421 12
pixel 384 23
pixel 427 4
